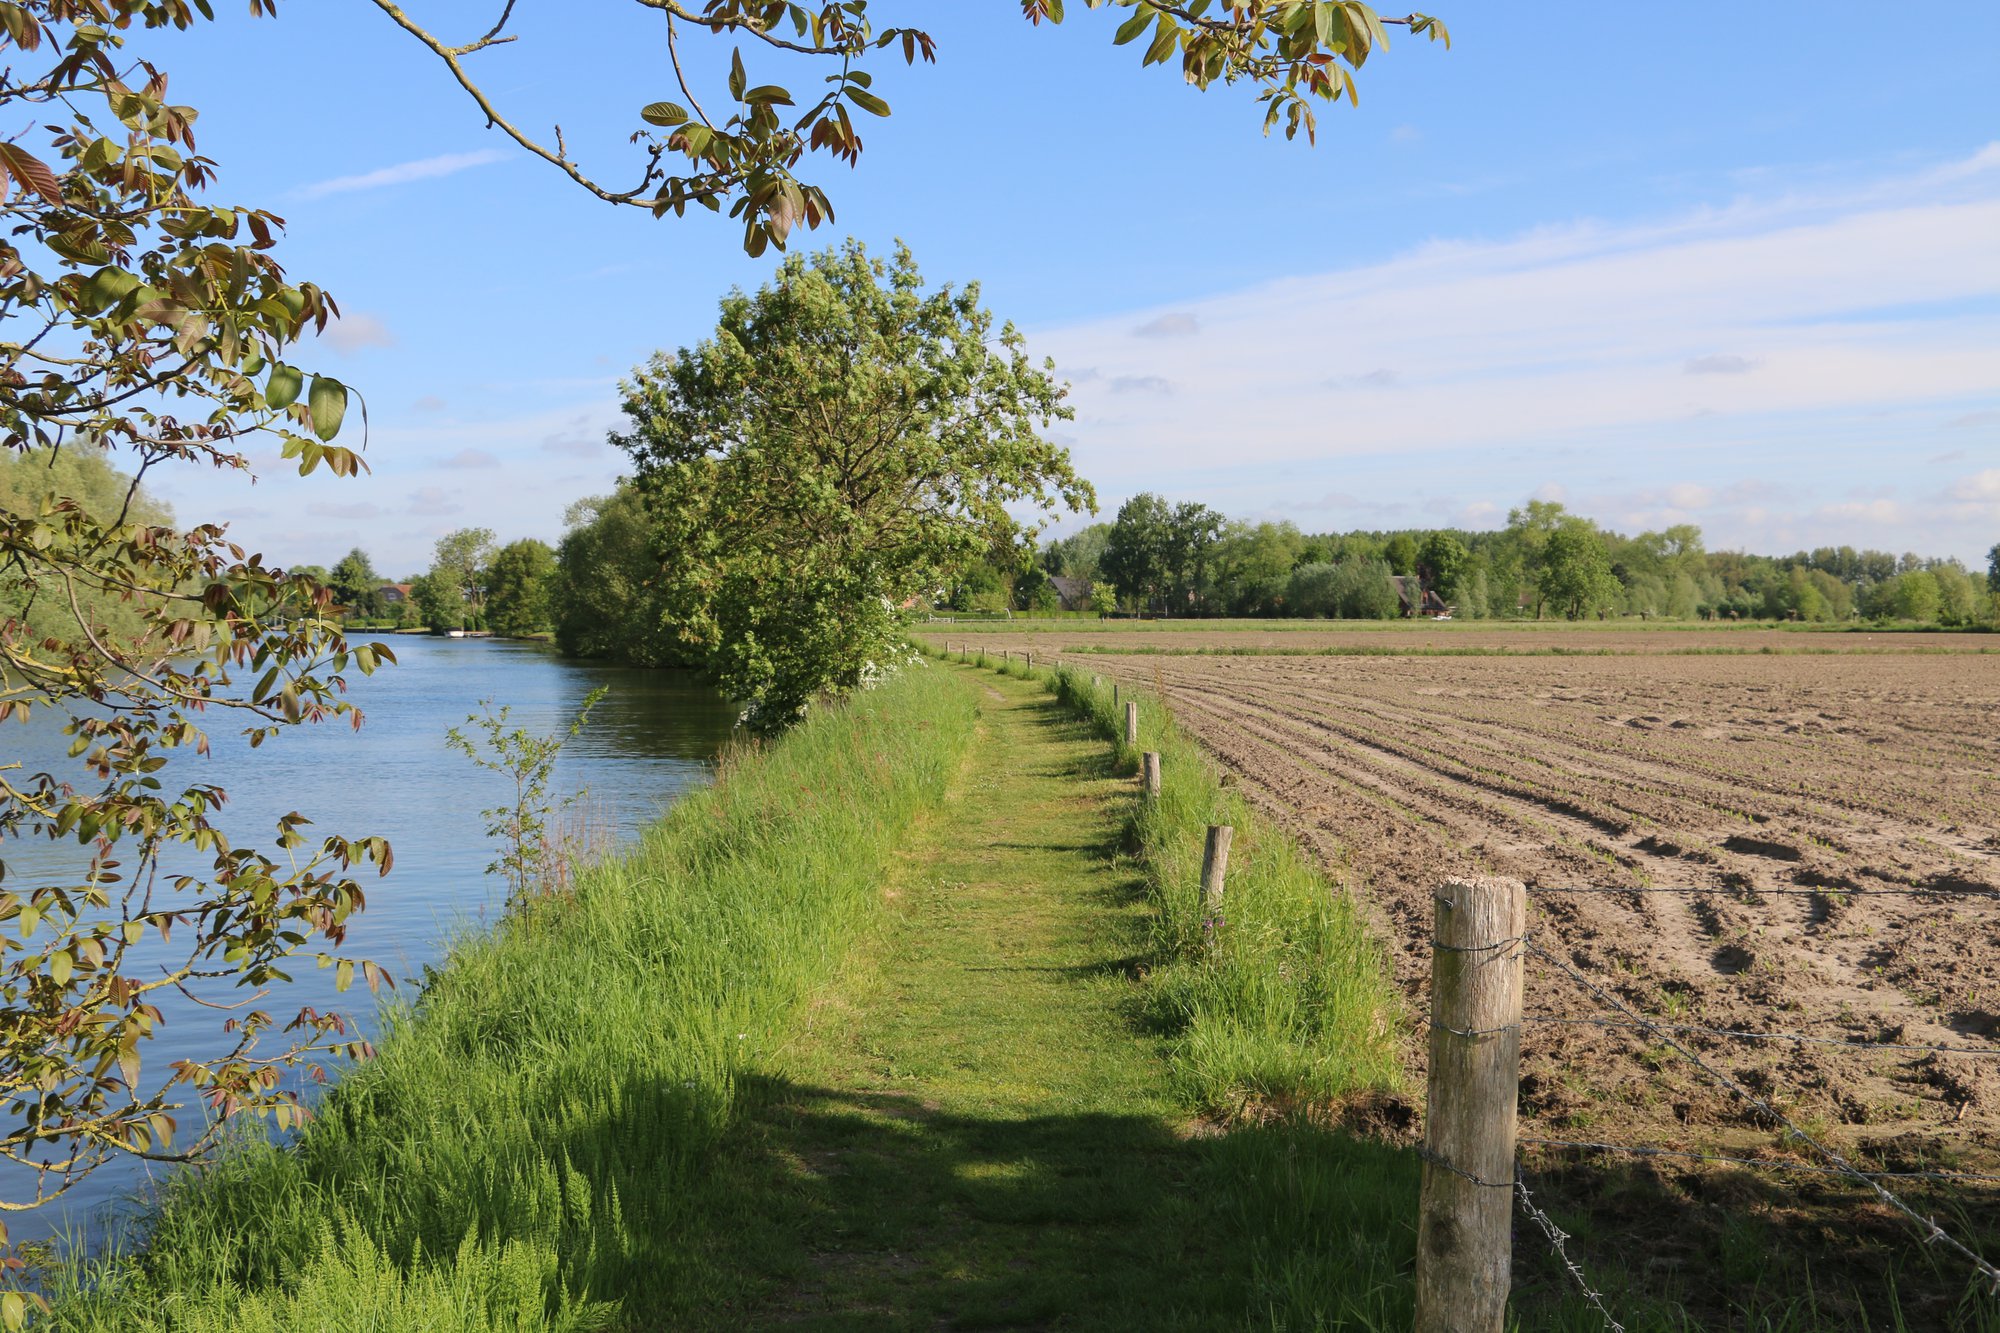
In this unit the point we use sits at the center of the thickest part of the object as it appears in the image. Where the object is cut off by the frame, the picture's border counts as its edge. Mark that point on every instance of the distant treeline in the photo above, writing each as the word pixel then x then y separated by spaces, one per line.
pixel 595 589
pixel 1188 559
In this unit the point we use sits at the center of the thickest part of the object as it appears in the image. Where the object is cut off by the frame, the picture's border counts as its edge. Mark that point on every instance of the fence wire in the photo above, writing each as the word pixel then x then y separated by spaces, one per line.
pixel 1743 1035
pixel 1933 1234
pixel 1763 1163
pixel 1748 891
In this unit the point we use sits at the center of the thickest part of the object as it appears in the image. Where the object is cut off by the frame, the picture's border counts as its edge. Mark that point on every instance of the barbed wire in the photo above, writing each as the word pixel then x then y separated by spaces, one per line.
pixel 1766 1163
pixel 1558 1241
pixel 1554 1020
pixel 1749 891
pixel 1933 1233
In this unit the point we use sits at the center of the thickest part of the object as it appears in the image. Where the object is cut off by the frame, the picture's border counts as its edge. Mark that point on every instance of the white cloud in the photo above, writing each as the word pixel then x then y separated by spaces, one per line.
pixel 1730 334
pixel 1174 324
pixel 1720 364
pixel 357 331
pixel 427 168
pixel 471 458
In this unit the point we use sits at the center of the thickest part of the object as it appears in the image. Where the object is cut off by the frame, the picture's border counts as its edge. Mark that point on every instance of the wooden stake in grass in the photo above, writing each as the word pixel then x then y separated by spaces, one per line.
pixel 1214 870
pixel 1464 1240
pixel 1131 722
pixel 1149 768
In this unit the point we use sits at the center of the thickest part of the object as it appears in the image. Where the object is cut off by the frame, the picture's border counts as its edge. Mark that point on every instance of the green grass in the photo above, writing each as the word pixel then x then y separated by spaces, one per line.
pixel 538 1127
pixel 1294 1006
pixel 983 1125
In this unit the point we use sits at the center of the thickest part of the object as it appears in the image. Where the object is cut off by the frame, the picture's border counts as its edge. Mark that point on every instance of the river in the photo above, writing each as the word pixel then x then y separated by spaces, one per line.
pixel 654 736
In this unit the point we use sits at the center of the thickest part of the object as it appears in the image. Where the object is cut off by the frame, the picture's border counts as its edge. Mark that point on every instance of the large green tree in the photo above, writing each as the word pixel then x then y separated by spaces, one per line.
pixel 605 595
pixel 518 586
pixel 844 443
pixel 1575 574
pixel 355 582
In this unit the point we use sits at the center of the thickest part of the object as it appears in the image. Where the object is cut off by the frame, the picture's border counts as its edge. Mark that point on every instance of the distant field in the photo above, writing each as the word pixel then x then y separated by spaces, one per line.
pixel 1374 637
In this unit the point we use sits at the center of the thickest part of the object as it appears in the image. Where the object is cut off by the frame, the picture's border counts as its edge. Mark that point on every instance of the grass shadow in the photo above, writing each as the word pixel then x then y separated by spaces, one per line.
pixel 857 1210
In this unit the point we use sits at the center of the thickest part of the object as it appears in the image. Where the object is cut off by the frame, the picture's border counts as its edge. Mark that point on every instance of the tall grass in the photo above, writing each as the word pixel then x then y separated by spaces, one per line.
pixel 538 1120
pixel 1294 1006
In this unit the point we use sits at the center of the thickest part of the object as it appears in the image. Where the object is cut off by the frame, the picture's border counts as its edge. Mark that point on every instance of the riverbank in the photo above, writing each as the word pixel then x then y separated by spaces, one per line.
pixel 526 1149
pixel 891 1028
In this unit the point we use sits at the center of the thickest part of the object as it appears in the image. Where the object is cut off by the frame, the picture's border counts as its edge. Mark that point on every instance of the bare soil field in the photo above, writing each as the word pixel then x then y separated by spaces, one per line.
pixel 1860 792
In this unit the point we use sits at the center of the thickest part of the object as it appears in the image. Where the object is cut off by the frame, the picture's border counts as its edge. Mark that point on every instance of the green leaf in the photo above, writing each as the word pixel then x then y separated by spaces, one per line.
pixel 868 102
pixel 1133 27
pixel 284 386
pixel 768 94
pixel 327 403
pixel 666 114
pixel 738 80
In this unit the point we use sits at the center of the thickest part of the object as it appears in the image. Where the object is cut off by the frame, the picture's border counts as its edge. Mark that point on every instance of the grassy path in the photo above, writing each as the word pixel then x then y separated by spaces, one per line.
pixel 973 1132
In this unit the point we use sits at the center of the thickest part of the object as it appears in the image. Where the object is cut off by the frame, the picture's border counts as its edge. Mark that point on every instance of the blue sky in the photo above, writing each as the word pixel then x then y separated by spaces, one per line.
pixel 1665 264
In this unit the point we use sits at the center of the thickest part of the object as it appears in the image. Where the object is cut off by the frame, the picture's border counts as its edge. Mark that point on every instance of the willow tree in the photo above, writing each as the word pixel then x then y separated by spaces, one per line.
pixel 844 445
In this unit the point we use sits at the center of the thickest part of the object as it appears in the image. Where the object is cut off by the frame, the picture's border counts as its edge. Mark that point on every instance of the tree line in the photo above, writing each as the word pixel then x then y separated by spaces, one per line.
pixel 1187 559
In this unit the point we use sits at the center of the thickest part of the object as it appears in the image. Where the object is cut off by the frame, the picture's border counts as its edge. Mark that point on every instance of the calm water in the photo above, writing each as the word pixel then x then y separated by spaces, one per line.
pixel 653 737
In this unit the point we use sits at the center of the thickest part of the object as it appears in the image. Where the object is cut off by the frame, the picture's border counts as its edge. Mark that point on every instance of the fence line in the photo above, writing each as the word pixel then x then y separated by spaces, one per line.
pixel 1741 1035
pixel 1747 891
pixel 1558 1241
pixel 1767 1163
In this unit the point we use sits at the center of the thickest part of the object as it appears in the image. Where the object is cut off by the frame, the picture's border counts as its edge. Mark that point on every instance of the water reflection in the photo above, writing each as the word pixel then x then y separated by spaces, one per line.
pixel 653 736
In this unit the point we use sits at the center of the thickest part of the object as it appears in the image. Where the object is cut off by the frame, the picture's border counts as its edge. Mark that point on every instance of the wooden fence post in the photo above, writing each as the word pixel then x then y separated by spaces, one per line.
pixel 1030 659
pixel 1149 767
pixel 1214 870
pixel 1464 1223
pixel 1131 722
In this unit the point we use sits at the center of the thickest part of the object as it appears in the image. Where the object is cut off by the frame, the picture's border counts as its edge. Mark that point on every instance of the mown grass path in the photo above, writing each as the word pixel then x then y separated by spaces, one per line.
pixel 974 1131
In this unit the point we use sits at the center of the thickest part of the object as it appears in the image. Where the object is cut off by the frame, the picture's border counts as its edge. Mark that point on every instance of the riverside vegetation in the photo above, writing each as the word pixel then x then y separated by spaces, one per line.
pixel 572 1128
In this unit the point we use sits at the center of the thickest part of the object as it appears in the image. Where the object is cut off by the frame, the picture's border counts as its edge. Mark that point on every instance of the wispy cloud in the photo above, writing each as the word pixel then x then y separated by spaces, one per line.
pixel 357 331
pixel 1720 364
pixel 424 168
pixel 1703 350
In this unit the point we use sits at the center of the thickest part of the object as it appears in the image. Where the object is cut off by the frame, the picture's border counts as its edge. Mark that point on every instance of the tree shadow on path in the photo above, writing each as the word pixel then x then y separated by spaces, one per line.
pixel 874 1210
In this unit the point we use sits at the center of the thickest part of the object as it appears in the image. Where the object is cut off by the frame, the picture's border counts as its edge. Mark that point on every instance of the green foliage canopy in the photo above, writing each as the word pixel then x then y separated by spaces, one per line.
pixel 1576 575
pixel 141 320
pixel 519 582
pixel 842 445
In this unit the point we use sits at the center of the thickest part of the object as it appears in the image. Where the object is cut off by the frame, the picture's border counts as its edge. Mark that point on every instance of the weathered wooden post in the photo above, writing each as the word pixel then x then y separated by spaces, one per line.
pixel 1030 659
pixel 1214 870
pixel 1131 722
pixel 1149 767
pixel 1464 1224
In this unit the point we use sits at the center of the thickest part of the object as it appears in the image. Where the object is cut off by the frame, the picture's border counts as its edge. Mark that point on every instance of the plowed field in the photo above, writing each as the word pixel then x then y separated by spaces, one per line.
pixel 1860 791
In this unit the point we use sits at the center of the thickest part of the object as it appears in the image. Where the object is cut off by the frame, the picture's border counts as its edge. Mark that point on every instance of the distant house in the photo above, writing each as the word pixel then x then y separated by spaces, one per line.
pixel 1075 593
pixel 1414 599
pixel 393 594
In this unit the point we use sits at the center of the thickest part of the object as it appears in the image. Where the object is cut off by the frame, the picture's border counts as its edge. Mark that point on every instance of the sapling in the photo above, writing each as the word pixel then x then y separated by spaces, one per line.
pixel 529 850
